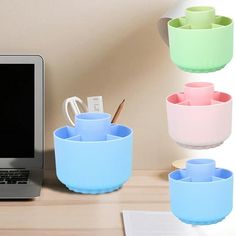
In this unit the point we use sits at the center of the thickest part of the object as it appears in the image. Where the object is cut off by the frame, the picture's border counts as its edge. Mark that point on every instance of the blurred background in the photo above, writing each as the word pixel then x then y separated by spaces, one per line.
pixel 113 49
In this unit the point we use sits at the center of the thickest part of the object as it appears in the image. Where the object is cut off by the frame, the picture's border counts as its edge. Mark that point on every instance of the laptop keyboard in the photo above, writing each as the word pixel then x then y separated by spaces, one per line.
pixel 14 176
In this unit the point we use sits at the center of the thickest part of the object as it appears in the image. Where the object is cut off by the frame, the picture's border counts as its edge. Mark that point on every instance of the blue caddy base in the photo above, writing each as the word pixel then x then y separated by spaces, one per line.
pixel 202 222
pixel 94 191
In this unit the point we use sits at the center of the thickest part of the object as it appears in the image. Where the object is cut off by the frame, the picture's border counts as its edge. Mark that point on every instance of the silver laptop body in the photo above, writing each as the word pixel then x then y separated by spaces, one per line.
pixel 21 126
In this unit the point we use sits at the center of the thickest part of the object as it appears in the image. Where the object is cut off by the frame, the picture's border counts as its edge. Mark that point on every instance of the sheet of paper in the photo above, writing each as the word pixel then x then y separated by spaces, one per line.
pixel 138 223
pixel 148 223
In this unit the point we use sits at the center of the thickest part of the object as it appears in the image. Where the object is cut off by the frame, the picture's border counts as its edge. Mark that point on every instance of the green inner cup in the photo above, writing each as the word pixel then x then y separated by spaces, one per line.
pixel 200 17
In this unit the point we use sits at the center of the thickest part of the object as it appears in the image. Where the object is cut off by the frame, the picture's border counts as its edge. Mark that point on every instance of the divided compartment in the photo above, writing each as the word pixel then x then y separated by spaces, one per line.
pixel 108 138
pixel 217 98
pixel 201 194
pixel 199 117
pixel 200 170
pixel 181 23
pixel 70 133
pixel 200 17
pixel 201 41
pixel 199 94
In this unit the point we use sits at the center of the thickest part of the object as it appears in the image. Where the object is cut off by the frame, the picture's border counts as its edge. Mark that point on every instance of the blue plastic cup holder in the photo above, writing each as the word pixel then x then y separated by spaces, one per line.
pixel 93 167
pixel 201 194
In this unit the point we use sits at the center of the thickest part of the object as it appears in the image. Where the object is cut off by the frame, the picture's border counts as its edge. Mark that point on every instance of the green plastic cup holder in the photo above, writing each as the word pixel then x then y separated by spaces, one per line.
pixel 201 41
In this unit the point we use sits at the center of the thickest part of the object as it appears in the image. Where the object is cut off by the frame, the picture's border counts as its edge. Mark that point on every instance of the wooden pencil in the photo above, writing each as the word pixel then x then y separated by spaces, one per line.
pixel 118 111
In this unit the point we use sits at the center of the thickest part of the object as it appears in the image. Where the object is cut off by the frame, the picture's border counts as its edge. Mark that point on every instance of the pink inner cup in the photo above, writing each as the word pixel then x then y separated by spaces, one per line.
pixel 199 93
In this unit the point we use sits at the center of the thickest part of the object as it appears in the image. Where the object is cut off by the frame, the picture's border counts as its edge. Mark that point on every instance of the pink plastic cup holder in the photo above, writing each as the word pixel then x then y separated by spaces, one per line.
pixel 199 117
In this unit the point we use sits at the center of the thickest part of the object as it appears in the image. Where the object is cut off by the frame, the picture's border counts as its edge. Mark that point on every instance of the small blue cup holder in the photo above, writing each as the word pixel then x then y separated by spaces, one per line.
pixel 93 167
pixel 201 194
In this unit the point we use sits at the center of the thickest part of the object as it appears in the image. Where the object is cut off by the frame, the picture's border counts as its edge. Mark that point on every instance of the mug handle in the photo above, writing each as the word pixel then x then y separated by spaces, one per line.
pixel 75 108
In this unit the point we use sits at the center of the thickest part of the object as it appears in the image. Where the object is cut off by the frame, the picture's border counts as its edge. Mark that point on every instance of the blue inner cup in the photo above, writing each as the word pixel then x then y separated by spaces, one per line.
pixel 92 126
pixel 200 169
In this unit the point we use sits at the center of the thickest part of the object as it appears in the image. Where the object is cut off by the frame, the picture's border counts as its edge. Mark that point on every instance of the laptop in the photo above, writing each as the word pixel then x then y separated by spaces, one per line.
pixel 21 126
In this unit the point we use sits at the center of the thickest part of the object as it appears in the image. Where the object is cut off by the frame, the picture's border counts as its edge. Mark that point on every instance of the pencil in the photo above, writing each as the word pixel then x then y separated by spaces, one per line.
pixel 118 111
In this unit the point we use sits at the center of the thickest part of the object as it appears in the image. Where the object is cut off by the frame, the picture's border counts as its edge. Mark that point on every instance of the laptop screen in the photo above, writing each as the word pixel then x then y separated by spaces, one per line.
pixel 17 110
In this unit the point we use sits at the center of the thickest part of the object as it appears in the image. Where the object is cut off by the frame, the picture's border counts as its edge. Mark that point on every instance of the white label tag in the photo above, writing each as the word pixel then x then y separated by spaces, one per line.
pixel 95 104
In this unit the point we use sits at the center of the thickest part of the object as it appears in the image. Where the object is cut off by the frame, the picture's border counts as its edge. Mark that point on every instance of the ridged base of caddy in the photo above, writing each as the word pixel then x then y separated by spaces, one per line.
pixel 210 222
pixel 199 147
pixel 94 191
pixel 201 70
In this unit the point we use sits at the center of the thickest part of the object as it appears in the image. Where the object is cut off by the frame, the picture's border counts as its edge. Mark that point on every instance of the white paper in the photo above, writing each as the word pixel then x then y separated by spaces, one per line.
pixel 95 104
pixel 150 223
pixel 138 223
